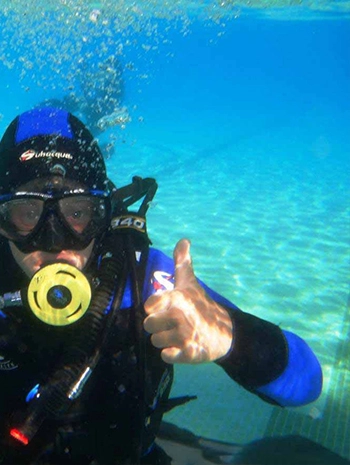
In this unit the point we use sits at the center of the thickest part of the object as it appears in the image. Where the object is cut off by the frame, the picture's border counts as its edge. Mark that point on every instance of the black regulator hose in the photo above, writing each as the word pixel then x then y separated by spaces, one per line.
pixel 137 327
pixel 83 353
pixel 112 276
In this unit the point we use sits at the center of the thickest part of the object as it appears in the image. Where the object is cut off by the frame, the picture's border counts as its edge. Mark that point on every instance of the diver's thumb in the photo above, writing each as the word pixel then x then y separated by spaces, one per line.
pixel 184 274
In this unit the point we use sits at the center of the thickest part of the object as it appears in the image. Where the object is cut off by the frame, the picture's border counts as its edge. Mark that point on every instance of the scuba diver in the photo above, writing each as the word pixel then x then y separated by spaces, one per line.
pixel 97 98
pixel 102 86
pixel 93 319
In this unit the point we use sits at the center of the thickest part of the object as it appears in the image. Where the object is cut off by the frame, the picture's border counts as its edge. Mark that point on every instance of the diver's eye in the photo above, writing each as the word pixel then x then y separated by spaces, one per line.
pixel 80 211
pixel 77 214
pixel 31 215
pixel 24 214
pixel 76 211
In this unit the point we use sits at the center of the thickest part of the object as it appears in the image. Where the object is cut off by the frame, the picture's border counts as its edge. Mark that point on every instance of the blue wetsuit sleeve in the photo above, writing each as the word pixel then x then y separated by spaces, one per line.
pixel 301 380
pixel 276 365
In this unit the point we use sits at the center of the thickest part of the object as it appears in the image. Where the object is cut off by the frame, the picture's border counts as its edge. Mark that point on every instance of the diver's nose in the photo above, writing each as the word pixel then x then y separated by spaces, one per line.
pixel 53 236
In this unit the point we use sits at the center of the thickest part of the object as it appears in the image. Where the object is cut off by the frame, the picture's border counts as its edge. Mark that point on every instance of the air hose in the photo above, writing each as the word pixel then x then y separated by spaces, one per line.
pixel 137 323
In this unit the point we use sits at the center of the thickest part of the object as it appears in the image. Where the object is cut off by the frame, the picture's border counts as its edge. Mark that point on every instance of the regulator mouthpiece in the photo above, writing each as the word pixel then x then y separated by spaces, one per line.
pixel 59 294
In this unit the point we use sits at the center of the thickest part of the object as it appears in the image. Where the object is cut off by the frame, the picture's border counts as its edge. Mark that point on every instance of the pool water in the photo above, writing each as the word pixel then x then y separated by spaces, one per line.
pixel 242 115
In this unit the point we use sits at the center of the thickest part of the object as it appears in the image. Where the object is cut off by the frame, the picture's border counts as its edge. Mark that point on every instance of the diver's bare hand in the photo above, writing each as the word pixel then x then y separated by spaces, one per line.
pixel 185 322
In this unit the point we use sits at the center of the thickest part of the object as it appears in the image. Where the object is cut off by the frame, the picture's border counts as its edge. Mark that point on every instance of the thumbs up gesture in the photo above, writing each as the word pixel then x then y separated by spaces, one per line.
pixel 185 322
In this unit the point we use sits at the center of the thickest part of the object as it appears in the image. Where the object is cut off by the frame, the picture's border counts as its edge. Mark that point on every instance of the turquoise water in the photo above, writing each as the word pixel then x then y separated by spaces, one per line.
pixel 243 118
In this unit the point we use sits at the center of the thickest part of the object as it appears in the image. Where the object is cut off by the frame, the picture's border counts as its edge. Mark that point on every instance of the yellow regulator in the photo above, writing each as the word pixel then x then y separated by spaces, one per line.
pixel 59 294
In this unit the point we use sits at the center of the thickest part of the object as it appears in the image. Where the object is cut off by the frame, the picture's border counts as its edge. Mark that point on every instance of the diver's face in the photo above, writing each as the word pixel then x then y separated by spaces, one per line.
pixel 53 246
pixel 30 263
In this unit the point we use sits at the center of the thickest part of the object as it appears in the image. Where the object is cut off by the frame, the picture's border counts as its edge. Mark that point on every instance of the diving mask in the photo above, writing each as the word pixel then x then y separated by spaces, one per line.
pixel 55 221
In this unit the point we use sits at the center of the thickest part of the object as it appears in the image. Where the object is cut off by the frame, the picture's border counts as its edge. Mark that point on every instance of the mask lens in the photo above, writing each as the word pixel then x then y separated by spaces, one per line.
pixel 83 212
pixel 68 220
pixel 20 216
